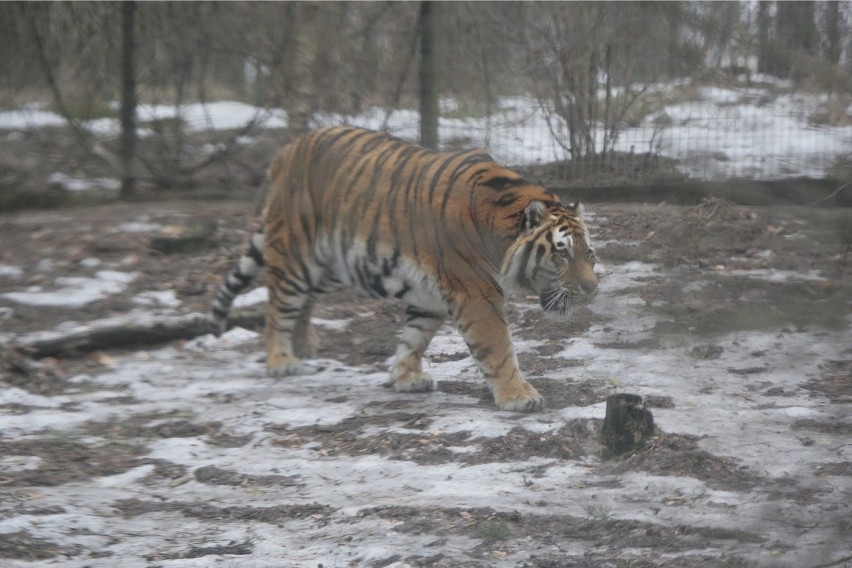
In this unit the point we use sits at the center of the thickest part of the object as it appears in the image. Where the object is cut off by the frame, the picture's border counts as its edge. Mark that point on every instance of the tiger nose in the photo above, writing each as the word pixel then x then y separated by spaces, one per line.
pixel 589 285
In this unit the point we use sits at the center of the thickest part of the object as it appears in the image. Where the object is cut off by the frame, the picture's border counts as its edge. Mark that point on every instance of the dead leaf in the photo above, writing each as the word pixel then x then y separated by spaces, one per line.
pixel 101 358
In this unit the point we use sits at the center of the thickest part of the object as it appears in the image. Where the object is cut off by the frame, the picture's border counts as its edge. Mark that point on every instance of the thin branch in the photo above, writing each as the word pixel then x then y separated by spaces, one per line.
pixel 831 195
pixel 837 562
pixel 93 148
pixel 406 67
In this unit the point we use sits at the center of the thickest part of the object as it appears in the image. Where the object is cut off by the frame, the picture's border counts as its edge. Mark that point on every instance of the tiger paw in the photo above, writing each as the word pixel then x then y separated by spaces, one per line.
pixel 282 365
pixel 410 381
pixel 520 397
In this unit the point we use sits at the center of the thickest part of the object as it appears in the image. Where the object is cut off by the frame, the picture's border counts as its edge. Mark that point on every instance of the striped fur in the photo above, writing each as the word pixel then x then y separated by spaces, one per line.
pixel 445 233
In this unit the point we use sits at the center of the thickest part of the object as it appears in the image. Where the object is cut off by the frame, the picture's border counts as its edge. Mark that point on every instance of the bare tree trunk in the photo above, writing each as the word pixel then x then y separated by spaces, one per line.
pixel 128 98
pixel 832 31
pixel 428 75
pixel 797 25
pixel 303 67
pixel 796 33
pixel 764 49
pixel 396 95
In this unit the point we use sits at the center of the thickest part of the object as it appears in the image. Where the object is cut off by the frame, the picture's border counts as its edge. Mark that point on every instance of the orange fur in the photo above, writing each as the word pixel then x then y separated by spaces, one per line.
pixel 443 232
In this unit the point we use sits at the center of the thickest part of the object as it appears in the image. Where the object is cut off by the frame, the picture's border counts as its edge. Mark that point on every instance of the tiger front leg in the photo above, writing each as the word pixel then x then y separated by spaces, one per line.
pixel 407 374
pixel 305 338
pixel 486 332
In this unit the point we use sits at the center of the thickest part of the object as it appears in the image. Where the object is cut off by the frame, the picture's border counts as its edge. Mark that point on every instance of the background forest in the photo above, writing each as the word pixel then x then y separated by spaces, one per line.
pixel 606 92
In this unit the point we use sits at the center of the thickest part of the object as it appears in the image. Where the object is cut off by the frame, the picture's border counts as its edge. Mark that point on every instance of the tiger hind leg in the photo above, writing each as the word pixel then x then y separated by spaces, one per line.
pixel 289 334
pixel 407 373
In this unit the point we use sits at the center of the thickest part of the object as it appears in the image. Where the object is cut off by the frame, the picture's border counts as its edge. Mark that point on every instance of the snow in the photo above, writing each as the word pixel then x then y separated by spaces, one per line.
pixel 140 226
pixel 18 463
pixel 172 380
pixel 234 336
pixel 775 275
pixel 165 299
pixel 28 118
pixel 211 379
pixel 221 115
pixel 745 131
pixel 74 291
pixel 251 298
pixel 336 325
pixel 11 272
pixel 76 184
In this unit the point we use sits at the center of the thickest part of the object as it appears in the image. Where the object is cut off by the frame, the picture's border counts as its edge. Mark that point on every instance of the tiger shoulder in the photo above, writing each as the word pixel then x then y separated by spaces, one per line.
pixel 447 234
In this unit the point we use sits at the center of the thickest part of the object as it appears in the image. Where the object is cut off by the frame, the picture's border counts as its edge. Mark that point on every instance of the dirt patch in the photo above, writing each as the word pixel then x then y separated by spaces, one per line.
pixel 153 426
pixel 501 531
pixel 22 545
pixel 728 303
pixel 213 475
pixel 666 454
pixel 672 454
pixel 835 382
pixel 572 441
pixel 703 288
pixel 837 427
pixel 64 459
pixel 532 324
pixel 557 393
pixel 843 468
pixel 274 514
pixel 358 436
pixel 173 473
pixel 235 548
pixel 37 377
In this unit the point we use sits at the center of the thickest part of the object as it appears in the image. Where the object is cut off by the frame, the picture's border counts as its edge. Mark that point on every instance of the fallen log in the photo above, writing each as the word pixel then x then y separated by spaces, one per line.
pixel 126 332
pixel 120 334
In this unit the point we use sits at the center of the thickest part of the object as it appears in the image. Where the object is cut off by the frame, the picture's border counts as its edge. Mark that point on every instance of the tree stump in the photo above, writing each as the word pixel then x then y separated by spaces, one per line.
pixel 627 424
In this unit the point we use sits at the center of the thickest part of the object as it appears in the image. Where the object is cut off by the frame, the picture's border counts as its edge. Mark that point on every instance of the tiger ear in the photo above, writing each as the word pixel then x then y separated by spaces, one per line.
pixel 532 215
pixel 577 207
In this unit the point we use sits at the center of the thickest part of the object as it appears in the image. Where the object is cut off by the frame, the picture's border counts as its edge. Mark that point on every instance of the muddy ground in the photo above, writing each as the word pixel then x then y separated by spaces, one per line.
pixel 733 323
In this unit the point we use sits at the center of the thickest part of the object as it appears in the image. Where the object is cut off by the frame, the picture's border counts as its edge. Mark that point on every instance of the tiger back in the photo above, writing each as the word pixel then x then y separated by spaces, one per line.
pixel 445 233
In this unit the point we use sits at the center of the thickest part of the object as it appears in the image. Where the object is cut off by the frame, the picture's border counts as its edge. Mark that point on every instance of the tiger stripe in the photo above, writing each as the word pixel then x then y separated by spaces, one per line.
pixel 446 233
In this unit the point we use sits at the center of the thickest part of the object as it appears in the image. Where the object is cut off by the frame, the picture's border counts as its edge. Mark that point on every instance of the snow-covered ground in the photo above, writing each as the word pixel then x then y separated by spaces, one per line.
pixel 214 382
pixel 748 131
pixel 187 455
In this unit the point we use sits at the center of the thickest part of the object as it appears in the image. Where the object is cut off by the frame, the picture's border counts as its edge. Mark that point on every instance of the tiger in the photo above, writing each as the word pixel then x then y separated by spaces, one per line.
pixel 447 234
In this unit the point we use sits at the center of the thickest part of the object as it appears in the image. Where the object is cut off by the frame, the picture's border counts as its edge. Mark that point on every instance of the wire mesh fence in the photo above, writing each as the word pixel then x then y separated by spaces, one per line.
pixel 590 93
pixel 657 93
pixel 745 130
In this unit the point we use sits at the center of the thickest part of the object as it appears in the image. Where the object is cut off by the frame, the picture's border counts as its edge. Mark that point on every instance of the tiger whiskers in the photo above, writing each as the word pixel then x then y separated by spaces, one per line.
pixel 559 302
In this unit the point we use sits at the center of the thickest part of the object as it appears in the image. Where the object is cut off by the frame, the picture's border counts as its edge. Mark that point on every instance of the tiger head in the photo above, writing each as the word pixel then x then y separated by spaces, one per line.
pixel 552 256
